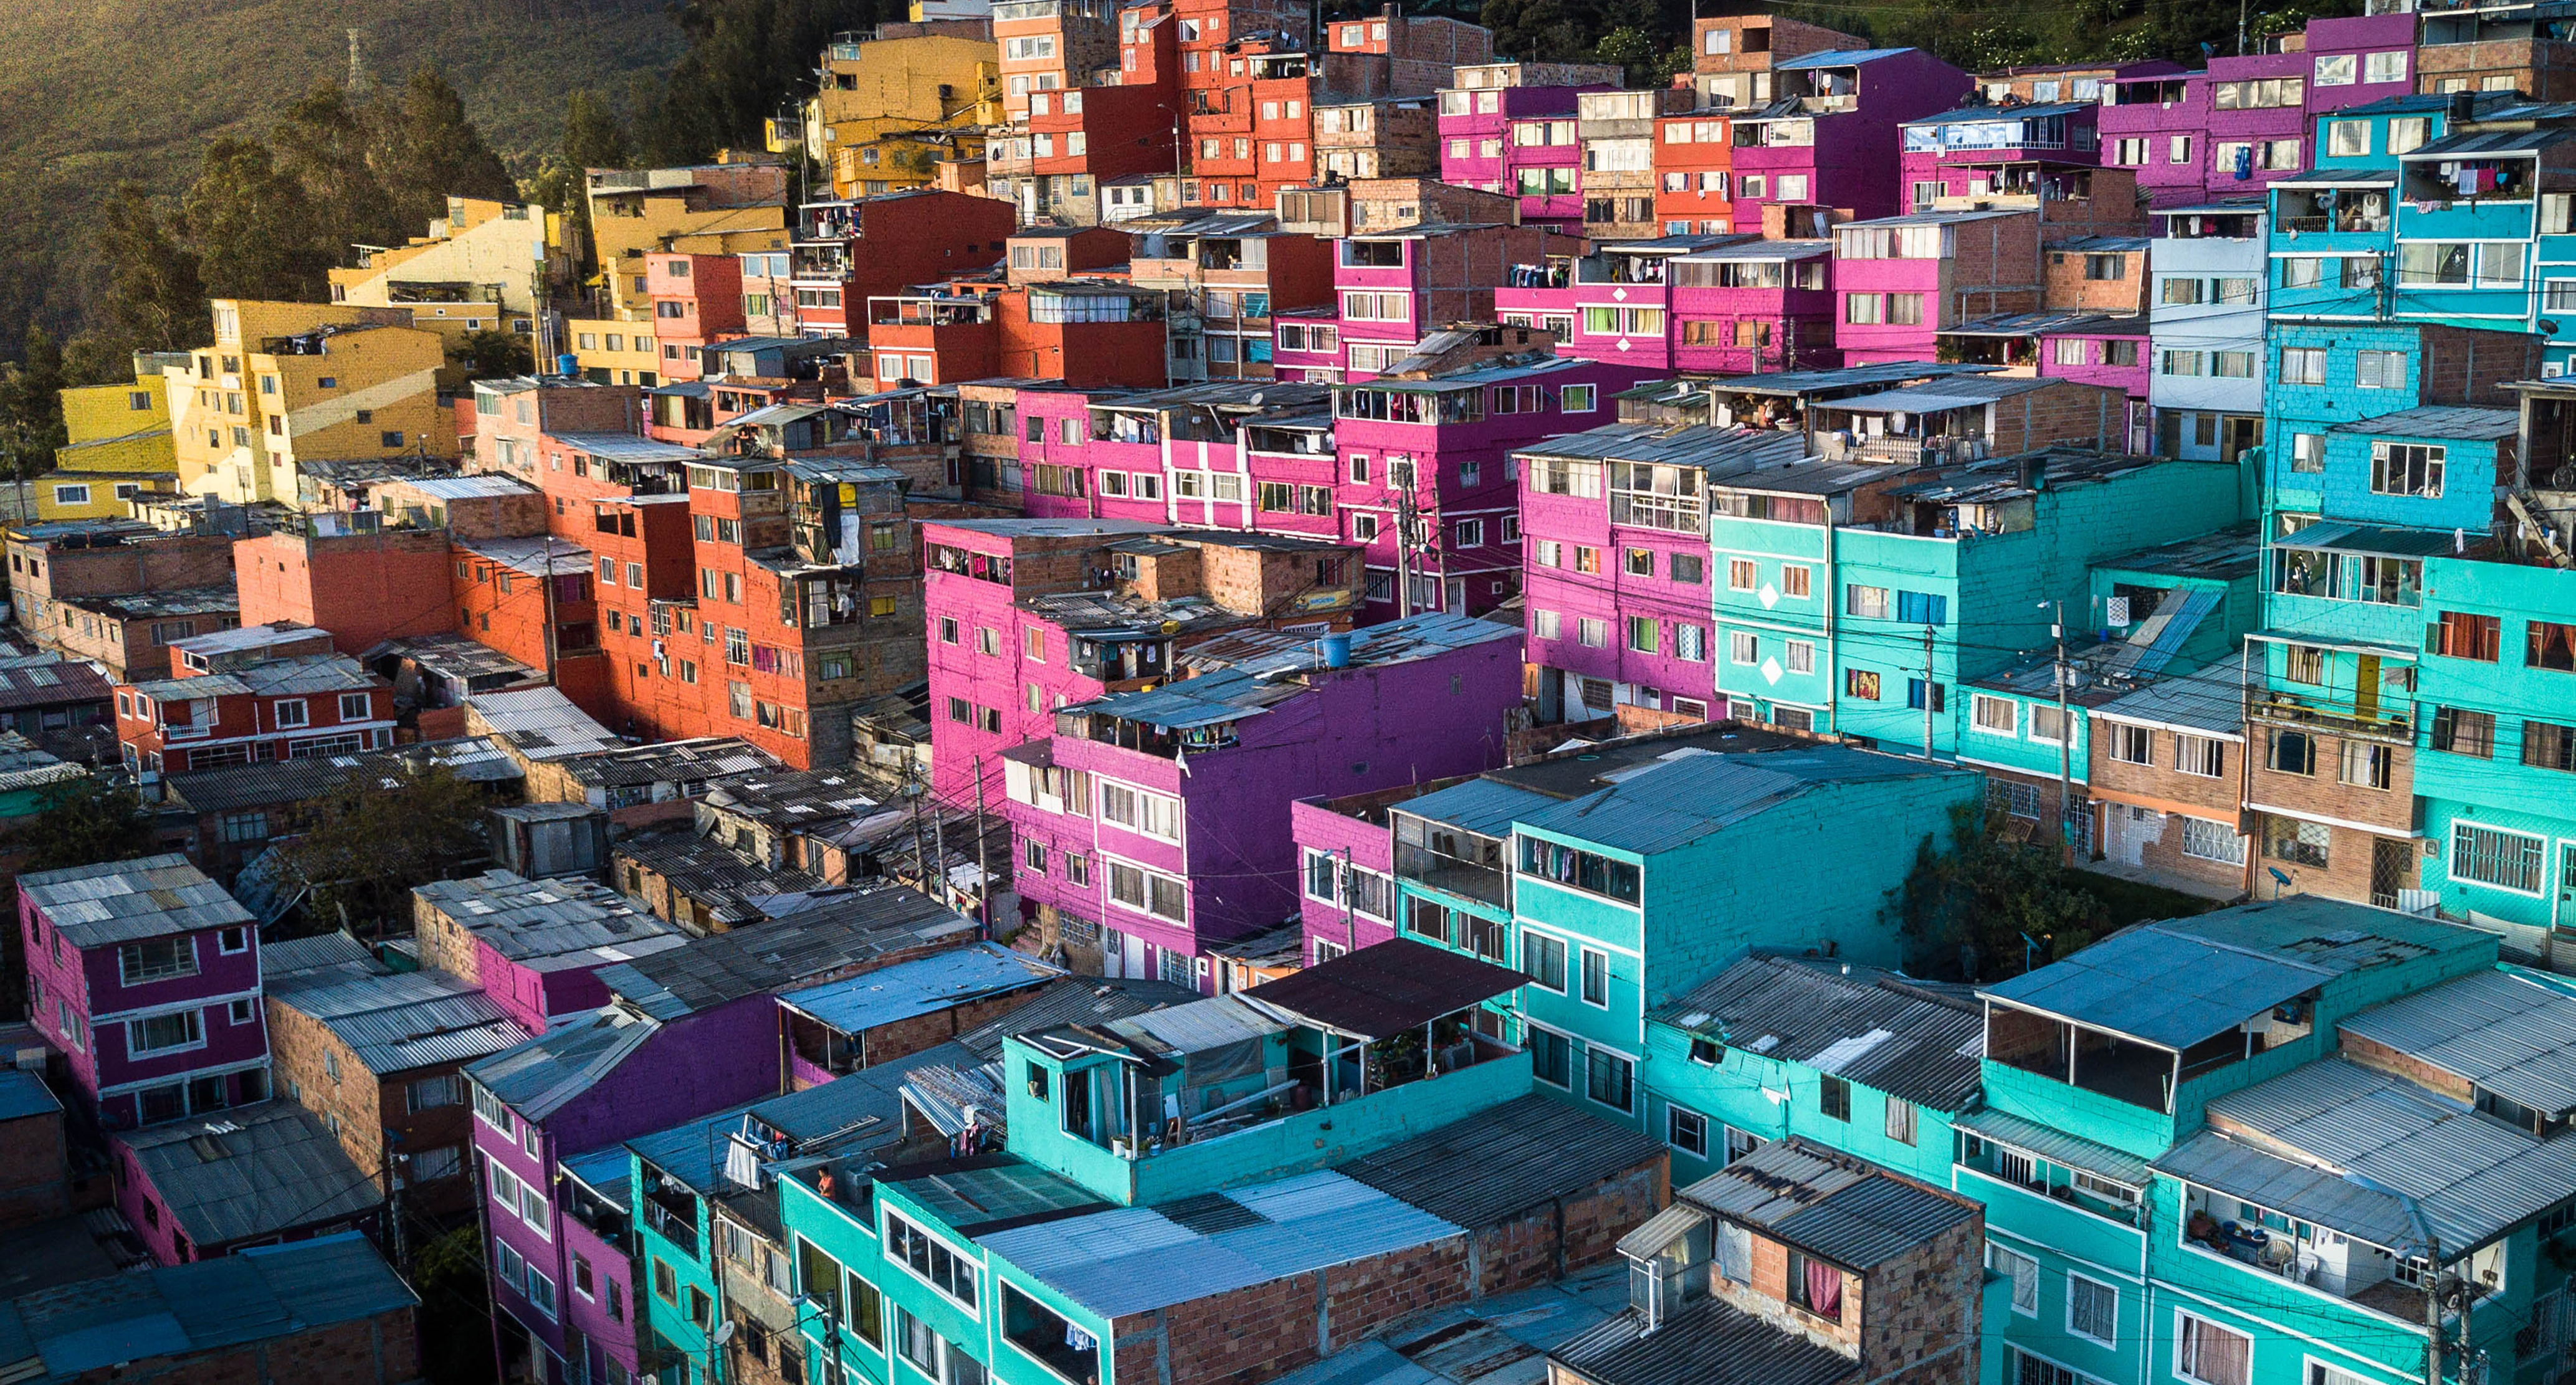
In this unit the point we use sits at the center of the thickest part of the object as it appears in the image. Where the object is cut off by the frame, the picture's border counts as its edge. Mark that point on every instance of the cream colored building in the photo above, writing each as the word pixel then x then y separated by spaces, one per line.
pixel 289 382
pixel 487 265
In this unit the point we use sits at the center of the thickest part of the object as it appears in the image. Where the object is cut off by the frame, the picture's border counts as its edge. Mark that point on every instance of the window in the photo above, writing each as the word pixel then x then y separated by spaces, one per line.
pixel 1689 569
pixel 2364 765
pixel 292 712
pixel 2379 370
pixel 2301 843
pixel 1801 656
pixel 1861 684
pixel 2505 860
pixel 931 1260
pixel 1608 1078
pixel 2047 724
pixel 2023 1271
pixel 1551 1057
pixel 1686 1130
pixel 2210 1354
pixel 2463 732
pixel 2389 67
pixel 2303 365
pixel 2347 138
pixel 2308 453
pixel 1996 716
pixel 1833 1098
pixel 164 1033
pixel 1596 978
pixel 1900 1120
pixel 156 959
pixel 1577 399
pixel 1592 633
pixel 2212 841
pixel 2292 752
pixel 1865 602
pixel 1543 960
pixel 2550 645
pixel 2130 745
pixel 2092 1310
pixel 2548 745
pixel 1743 647
pixel 1794 581
pixel 1644 634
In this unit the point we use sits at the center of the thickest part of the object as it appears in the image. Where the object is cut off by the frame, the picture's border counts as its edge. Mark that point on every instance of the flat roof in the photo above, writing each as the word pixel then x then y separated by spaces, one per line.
pixel 1677 802
pixel 127 901
pixel 1383 990
pixel 919 987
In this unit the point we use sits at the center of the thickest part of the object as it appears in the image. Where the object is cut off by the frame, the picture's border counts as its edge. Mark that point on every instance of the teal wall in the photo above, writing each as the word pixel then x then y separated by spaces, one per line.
pixel 668 1323
pixel 1731 1093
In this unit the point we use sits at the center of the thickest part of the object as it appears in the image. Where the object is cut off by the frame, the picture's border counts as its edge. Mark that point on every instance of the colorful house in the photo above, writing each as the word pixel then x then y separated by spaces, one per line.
pixel 1510 127
pixel 1834 153
pixel 1901 281
pixel 1155 820
pixel 144 975
pixel 118 442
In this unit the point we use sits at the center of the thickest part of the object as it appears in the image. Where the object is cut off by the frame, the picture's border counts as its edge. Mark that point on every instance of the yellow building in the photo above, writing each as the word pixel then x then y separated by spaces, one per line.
pixel 892 106
pixel 120 444
pixel 289 382
pixel 614 352
pixel 635 212
pixel 487 265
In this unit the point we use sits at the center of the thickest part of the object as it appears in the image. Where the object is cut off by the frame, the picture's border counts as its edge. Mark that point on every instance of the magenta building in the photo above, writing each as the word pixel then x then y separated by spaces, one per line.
pixel 1901 281
pixel 1617 565
pixel 2231 131
pixel 1394 289
pixel 145 975
pixel 1502 136
pixel 1715 304
pixel 1829 138
pixel 1161 818
pixel 2043 151
pixel 535 946
pixel 1349 897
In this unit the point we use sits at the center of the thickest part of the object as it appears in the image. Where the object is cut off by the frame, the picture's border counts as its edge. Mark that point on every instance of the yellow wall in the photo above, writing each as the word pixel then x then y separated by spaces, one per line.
pixel 893 89
pixel 383 385
pixel 621 242
pixel 102 485
pixel 94 412
pixel 633 362
pixel 479 244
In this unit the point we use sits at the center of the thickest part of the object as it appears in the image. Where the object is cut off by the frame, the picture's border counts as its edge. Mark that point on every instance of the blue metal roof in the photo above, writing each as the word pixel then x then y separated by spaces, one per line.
pixel 267 1292
pixel 24 1094
pixel 607 1171
pixel 1254 685
pixel 1969 115
pixel 1487 807
pixel 2178 982
pixel 919 987
pixel 1676 802
pixel 694 1150
pixel 1840 57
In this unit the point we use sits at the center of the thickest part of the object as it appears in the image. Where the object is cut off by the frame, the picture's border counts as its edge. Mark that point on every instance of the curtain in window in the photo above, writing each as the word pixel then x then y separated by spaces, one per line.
pixel 1734 1253
pixel 1824 1289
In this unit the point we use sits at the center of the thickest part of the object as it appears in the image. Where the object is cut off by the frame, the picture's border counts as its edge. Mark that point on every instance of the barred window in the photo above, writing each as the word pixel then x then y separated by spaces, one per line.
pixel 2489 856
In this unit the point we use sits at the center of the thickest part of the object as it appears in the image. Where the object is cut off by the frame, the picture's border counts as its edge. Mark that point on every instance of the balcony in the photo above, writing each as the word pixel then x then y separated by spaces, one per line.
pixel 819 262
pixel 673 1216
pixel 1453 861
pixel 2393 724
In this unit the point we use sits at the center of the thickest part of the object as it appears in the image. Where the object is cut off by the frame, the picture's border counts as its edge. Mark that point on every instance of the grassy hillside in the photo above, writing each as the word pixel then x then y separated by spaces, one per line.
pixel 98 92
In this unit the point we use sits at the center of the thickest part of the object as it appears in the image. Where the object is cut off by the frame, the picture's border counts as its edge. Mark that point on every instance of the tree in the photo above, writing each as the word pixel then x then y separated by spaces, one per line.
pixel 86 821
pixel 1648 64
pixel 456 1327
pixel 254 228
pixel 491 354
pixel 383 831
pixel 324 143
pixel 1987 898
pixel 31 407
pixel 746 60
pixel 155 297
pixel 427 152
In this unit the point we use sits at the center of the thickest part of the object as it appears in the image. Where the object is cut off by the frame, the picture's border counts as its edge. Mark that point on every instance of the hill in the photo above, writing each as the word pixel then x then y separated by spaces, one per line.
pixel 94 93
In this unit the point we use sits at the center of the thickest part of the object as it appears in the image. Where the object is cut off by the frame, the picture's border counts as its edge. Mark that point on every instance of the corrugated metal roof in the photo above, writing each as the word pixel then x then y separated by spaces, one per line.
pixel 1525 1152
pixel 1723 451
pixel 626 447
pixel 2178 982
pixel 542 723
pixel 81 1330
pixel 250 1171
pixel 2472 1177
pixel 1796 382
pixel 24 1094
pixel 296 781
pixel 1979 115
pixel 1135 1259
pixel 2210 702
pixel 2153 644
pixel 538 1077
pixel 2301 1191
pixel 2504 1031
pixel 2486 142
pixel 2054 1145
pixel 1680 801
pixel 1197 1026
pixel 2052 324
pixel 1487 807
pixel 281 960
pixel 840 932
pixel 1840 57
pixel 123 901
pixel 2439 421
pixel 1074 1000
pixel 1960 392
pixel 1829 1204
pixel 1384 989
pixel 475 486
pixel 864 1108
pixel 919 987
pixel 1918 1041
pixel 397 1021
pixel 1710 1342
pixel 1256 684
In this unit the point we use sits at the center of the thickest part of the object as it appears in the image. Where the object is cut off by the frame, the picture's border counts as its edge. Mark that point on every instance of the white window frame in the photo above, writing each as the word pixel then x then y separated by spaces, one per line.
pixel 2183 1316
pixel 1673 1110
pixel 1995 1251
pixel 2072 1279
pixel 2451 855
pixel 1978 702
pixel 277 714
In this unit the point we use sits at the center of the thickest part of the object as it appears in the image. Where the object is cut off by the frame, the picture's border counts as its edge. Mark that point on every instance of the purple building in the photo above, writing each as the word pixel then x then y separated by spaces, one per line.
pixel 1395 288
pixel 1730 304
pixel 1829 139
pixel 1617 565
pixel 259 1175
pixel 1510 128
pixel 1160 819
pixel 2042 151
pixel 1352 834
pixel 2230 131
pixel 534 946
pixel 145 974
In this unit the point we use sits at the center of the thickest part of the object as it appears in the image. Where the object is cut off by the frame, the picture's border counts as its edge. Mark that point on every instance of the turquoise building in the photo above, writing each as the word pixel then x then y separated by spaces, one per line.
pixel 1614 878
pixel 1856 606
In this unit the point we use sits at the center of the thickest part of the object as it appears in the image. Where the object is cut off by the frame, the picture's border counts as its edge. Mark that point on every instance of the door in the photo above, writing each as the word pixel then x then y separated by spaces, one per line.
pixel 2365 688
pixel 2392 860
pixel 2567 886
pixel 2236 435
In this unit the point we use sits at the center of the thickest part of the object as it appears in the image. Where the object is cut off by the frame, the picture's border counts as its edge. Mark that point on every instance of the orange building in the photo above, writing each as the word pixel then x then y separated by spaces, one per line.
pixel 1694 159
pixel 364 586
pixel 1086 333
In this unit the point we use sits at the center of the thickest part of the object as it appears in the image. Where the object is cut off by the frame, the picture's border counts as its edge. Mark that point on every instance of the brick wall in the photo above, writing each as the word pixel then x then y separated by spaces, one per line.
pixel 905 1037
pixel 2066 411
pixel 2372 1054
pixel 2068 288
pixel 34 1175
pixel 2323 792
pixel 302 1051
pixel 445 944
pixel 1266 1330
pixel 1914 1305
pixel 1556 1239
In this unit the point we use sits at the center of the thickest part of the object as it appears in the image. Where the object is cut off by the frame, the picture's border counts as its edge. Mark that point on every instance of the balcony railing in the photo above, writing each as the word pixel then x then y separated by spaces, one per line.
pixel 2395 724
pixel 668 1225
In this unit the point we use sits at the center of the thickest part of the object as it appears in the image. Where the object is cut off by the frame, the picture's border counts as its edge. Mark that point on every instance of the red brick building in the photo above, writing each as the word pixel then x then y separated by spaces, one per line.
pixel 848 252
pixel 365 586
pixel 231 701
pixel 697 299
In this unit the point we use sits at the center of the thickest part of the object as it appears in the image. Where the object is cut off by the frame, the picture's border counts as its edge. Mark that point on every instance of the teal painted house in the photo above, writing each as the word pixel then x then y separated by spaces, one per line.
pixel 1865 1060
pixel 1217 1191
pixel 2223 1151
pixel 1855 602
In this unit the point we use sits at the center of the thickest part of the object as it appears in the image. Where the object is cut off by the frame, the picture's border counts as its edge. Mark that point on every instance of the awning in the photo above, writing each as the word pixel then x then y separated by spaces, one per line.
pixel 1383 990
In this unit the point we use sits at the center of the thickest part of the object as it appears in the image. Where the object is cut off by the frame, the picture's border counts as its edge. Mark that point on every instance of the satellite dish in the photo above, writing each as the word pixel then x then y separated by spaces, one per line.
pixel 724 1332
pixel 1255 401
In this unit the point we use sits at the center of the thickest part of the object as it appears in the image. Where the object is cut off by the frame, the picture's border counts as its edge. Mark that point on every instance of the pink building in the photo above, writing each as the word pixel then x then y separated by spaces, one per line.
pixel 1901 281
pixel 1424 477
pixel 2156 124
pixel 534 946
pixel 1510 128
pixel 144 974
pixel 1357 907
pixel 1030 615
pixel 1721 304
pixel 284 1178
pixel 2040 151
pixel 2090 348
pixel 1617 565
pixel 1395 288
pixel 1828 143
pixel 1159 821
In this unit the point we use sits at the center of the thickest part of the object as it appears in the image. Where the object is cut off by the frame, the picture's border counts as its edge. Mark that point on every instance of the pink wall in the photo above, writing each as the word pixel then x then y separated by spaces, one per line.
pixel 1367 845
pixel 89 983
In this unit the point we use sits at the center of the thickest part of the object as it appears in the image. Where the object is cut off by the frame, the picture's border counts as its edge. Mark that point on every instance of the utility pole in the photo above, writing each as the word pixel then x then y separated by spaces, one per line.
pixel 546 584
pixel 2433 1342
pixel 2065 740
pixel 1403 548
pixel 983 869
pixel 1929 687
